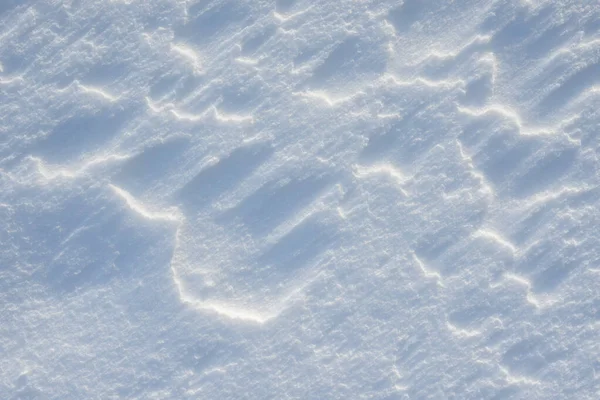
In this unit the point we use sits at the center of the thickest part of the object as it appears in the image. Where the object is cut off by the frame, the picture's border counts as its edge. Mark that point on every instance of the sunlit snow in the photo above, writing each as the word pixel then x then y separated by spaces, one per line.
pixel 299 199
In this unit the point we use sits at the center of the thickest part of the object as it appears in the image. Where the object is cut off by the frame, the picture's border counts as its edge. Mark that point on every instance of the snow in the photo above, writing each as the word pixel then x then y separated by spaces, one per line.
pixel 205 199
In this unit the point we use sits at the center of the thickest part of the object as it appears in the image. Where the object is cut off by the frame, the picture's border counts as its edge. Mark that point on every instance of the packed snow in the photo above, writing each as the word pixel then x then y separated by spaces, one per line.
pixel 299 199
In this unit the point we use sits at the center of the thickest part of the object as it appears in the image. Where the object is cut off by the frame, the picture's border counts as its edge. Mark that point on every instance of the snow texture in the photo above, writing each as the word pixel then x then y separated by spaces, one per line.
pixel 296 199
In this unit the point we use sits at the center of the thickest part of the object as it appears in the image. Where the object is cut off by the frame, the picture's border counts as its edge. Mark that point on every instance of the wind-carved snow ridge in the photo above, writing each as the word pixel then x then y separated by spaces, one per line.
pixel 228 311
pixel 52 172
pixel 223 309
pixel 338 200
pixel 91 90
pixel 190 55
pixel 384 169
pixel 214 306
pixel 142 210
pixel 204 116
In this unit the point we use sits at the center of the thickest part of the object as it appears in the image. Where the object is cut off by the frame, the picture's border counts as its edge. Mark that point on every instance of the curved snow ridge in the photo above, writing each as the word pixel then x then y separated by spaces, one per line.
pixel 211 114
pixel 190 55
pixel 232 311
pixel 515 118
pixel 174 216
pixel 91 90
pixel 53 172
pixel 228 311
pixel 141 209
pixel 222 307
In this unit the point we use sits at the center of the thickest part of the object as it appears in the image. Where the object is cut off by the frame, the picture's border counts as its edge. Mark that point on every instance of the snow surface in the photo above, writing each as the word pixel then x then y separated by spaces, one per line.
pixel 294 199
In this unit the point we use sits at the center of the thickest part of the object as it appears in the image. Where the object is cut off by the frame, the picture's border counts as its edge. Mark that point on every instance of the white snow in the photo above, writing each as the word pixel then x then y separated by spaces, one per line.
pixel 375 199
